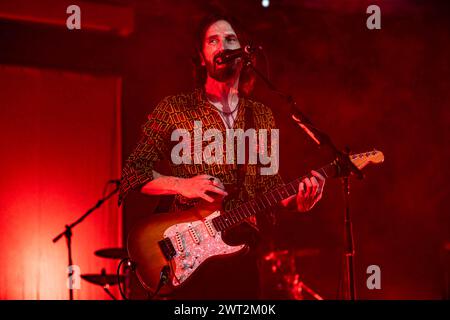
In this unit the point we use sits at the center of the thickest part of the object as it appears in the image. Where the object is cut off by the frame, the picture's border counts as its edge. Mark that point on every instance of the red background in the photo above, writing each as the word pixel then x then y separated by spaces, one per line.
pixel 60 143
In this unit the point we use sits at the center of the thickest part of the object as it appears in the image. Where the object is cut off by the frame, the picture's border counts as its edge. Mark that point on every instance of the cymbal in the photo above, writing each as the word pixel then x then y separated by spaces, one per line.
pixel 112 253
pixel 102 279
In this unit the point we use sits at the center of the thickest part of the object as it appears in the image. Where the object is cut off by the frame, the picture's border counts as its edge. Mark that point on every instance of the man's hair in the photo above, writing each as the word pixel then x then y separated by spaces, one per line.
pixel 247 78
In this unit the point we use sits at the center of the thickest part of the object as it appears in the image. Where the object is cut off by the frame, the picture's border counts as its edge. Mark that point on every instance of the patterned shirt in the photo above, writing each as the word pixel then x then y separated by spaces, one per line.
pixel 180 112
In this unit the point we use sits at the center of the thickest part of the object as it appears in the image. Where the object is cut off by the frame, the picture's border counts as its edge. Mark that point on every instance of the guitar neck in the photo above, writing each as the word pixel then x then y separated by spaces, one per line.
pixel 267 200
pixel 273 197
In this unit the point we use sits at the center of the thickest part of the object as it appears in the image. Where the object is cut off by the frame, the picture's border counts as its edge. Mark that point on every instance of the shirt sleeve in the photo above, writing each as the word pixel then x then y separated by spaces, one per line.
pixel 152 146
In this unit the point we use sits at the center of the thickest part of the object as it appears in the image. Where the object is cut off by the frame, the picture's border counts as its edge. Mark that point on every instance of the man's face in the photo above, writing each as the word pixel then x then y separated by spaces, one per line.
pixel 220 36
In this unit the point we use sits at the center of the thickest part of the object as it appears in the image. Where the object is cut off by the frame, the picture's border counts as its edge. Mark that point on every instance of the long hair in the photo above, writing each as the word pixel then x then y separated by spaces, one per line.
pixel 247 78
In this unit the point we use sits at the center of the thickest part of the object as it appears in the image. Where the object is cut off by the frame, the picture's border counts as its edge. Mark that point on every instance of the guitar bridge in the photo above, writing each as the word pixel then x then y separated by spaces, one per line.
pixel 167 248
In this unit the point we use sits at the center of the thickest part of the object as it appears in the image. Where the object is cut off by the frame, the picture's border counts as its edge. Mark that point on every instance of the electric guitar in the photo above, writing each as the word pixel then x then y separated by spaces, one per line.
pixel 168 248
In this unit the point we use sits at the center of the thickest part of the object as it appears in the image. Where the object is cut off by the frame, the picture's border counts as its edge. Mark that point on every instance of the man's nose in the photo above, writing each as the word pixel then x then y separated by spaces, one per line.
pixel 222 45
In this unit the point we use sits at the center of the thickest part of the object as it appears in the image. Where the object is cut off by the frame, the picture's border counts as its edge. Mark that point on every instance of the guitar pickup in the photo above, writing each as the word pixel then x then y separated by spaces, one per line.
pixel 167 248
pixel 194 234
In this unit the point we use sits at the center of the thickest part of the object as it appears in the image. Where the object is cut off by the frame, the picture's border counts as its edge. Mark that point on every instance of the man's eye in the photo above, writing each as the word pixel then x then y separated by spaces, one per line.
pixel 212 41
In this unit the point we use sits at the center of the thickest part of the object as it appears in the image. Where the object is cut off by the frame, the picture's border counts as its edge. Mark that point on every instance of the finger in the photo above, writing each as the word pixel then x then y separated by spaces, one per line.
pixel 319 177
pixel 308 185
pixel 301 189
pixel 315 186
pixel 215 189
pixel 217 182
pixel 206 197
pixel 209 177
pixel 214 182
pixel 205 176
pixel 321 180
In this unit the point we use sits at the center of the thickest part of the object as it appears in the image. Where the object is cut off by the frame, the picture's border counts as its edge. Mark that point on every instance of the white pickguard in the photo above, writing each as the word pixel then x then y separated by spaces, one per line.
pixel 194 242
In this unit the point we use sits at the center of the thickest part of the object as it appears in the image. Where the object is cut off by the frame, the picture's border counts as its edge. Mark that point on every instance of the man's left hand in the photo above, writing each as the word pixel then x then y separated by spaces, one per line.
pixel 310 191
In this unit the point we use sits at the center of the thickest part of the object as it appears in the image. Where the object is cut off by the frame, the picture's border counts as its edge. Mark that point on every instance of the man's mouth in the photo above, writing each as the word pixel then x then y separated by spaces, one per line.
pixel 217 59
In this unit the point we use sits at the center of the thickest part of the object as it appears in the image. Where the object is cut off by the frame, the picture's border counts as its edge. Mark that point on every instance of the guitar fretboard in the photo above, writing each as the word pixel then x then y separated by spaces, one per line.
pixel 265 201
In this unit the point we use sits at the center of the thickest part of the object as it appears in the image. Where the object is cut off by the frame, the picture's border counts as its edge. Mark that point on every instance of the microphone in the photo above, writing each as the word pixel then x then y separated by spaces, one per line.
pixel 230 55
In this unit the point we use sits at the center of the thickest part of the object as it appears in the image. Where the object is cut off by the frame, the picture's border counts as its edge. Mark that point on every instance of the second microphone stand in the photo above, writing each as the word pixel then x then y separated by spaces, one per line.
pixel 67 233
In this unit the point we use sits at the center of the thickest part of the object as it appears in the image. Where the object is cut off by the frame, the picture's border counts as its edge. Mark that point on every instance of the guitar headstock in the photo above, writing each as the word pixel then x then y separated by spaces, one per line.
pixel 361 160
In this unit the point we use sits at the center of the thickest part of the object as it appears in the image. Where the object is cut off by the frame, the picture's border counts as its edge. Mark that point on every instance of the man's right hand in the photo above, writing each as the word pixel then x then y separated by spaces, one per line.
pixel 198 186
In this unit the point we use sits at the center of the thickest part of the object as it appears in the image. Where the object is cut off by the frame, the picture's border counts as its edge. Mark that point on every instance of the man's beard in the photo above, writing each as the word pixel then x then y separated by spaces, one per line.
pixel 222 73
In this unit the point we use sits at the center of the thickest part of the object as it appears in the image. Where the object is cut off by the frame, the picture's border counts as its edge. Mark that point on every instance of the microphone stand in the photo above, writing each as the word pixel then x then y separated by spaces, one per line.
pixel 344 166
pixel 106 285
pixel 67 233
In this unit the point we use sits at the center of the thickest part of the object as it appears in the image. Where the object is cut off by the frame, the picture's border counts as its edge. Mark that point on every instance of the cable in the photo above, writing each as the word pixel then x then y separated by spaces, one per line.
pixel 118 277
pixel 131 265
pixel 164 277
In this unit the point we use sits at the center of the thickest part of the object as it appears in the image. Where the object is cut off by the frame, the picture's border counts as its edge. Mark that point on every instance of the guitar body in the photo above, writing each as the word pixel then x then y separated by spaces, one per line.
pixel 190 234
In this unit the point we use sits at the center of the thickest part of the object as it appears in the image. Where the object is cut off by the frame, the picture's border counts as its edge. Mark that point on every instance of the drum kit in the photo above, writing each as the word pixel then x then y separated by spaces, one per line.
pixel 103 279
pixel 280 268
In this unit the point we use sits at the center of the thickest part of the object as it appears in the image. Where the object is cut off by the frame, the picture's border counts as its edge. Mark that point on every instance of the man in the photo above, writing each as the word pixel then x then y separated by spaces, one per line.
pixel 220 103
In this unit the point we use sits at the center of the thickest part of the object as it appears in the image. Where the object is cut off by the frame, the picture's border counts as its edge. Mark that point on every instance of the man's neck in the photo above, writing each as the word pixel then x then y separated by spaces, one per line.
pixel 225 93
